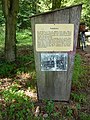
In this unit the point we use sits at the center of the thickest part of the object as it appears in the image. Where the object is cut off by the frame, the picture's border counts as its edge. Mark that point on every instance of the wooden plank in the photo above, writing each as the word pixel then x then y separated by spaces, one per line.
pixel 56 85
pixel 75 13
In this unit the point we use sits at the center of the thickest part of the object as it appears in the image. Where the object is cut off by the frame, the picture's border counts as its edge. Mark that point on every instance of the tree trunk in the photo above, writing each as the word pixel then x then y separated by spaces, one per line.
pixel 10 9
pixel 10 38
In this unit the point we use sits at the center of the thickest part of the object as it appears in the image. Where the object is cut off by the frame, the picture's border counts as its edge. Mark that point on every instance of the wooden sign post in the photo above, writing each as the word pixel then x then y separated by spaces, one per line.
pixel 55 36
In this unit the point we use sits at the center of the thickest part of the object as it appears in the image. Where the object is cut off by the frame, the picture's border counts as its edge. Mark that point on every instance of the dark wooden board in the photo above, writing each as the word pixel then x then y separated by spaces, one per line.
pixel 56 85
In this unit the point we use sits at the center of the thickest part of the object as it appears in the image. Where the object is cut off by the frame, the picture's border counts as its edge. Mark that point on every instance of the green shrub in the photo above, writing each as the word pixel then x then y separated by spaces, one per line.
pixel 84 116
pixel 78 97
pixel 24 37
pixel 17 105
pixel 6 69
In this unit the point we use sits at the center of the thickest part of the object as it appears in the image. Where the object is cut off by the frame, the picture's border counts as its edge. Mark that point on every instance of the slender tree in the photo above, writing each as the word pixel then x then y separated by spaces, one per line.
pixel 10 10
pixel 56 4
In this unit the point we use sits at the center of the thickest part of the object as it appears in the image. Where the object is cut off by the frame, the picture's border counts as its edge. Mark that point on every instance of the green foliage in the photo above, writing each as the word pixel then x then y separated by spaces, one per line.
pixel 6 68
pixel 44 5
pixel 84 116
pixel 49 107
pixel 1 15
pixel 26 63
pixel 78 106
pixel 13 93
pixel 9 69
pixel 27 8
pixel 78 71
pixel 77 68
pixel 69 112
pixel 18 106
pixel 81 98
pixel 24 37
pixel 85 15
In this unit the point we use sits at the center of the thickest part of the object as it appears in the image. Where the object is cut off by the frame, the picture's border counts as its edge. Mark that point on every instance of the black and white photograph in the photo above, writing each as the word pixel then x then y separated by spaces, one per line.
pixel 54 61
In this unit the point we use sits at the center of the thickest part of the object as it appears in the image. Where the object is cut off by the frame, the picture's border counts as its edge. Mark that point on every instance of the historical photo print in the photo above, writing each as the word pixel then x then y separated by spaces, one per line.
pixel 54 61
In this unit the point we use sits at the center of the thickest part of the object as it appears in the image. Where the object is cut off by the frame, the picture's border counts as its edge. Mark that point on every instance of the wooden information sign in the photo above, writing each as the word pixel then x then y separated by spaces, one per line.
pixel 55 36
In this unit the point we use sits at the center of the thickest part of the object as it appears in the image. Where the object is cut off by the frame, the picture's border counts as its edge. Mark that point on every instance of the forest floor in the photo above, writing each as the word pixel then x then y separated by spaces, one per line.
pixel 86 63
pixel 75 109
pixel 86 77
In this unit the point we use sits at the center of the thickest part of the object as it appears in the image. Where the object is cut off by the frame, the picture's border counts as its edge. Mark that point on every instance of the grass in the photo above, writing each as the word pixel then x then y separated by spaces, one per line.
pixel 78 72
pixel 19 78
pixel 78 84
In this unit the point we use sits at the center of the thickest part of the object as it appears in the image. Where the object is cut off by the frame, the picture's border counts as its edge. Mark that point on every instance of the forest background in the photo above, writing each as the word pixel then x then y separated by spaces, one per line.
pixel 18 100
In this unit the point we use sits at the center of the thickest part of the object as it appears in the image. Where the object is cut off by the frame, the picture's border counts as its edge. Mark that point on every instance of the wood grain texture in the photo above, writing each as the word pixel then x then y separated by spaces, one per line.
pixel 56 85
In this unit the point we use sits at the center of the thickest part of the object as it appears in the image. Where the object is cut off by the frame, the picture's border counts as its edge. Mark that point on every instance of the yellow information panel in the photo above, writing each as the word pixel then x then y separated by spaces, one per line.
pixel 54 37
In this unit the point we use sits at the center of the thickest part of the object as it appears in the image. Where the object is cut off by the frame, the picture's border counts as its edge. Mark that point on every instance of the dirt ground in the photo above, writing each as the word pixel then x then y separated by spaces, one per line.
pixel 86 64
